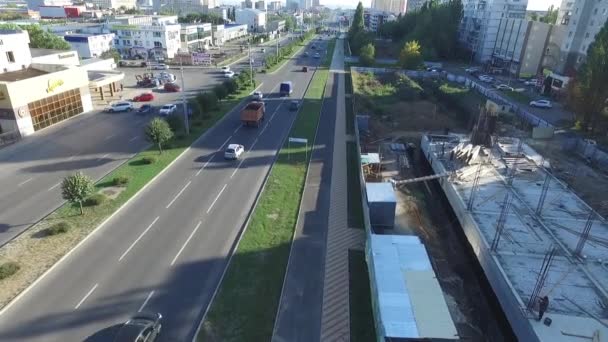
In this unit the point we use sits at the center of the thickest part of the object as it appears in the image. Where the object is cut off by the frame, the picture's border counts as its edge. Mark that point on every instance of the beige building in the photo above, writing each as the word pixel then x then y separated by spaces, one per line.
pixel 391 6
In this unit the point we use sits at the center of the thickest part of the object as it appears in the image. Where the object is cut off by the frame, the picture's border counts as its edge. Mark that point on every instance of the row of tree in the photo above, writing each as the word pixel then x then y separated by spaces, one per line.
pixel 434 27
pixel 212 18
pixel 550 17
pixel 39 37
pixel 287 50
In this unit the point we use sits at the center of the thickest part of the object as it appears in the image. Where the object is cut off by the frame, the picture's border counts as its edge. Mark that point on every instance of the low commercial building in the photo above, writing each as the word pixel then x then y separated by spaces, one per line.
pixel 196 37
pixel 275 26
pixel 39 88
pixel 147 37
pixel 253 18
pixel 35 5
pixel 227 32
pixel 90 45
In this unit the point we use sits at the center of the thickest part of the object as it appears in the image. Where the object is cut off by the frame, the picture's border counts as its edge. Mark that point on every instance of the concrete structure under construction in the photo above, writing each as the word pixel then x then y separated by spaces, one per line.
pixel 532 235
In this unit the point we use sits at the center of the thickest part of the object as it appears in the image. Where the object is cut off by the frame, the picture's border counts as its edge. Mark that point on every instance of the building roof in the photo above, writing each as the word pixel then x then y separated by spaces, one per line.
pixel 380 192
pixel 10 31
pixel 13 76
pixel 45 52
pixel 410 302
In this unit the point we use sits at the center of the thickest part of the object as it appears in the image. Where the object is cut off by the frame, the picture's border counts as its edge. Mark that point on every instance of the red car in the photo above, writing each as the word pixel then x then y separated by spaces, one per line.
pixel 172 87
pixel 145 97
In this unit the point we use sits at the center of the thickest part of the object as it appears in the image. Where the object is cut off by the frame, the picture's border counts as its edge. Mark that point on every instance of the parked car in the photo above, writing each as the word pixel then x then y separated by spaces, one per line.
pixel 145 109
pixel 257 96
pixel 541 104
pixel 119 107
pixel 234 151
pixel 145 97
pixel 172 87
pixel 229 74
pixel 304 69
pixel 167 109
pixel 317 55
pixel 471 70
pixel 165 76
pixel 486 78
pixel 159 67
pixel 504 87
pixel 144 327
pixel 294 105
pixel 531 82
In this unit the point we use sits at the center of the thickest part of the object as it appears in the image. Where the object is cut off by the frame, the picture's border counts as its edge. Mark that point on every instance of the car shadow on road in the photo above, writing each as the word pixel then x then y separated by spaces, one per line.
pixel 104 335
pixel 68 165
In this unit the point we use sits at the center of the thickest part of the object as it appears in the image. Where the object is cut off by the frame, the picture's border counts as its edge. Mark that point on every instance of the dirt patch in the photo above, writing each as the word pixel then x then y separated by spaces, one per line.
pixel 422 115
pixel 112 192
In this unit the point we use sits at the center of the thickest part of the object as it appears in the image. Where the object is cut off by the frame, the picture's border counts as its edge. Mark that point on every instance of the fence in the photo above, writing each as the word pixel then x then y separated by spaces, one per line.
pixel 587 149
pixel 9 138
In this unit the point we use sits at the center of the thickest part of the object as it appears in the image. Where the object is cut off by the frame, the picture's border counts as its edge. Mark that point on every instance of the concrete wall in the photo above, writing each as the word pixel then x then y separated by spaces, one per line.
pixel 532 54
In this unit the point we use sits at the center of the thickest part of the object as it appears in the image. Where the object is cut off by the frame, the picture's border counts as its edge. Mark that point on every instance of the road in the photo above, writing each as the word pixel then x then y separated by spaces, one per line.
pixel 166 250
pixel 94 143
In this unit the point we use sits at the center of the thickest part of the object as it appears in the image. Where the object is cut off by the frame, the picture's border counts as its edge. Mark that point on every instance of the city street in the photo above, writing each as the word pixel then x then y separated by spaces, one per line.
pixel 167 249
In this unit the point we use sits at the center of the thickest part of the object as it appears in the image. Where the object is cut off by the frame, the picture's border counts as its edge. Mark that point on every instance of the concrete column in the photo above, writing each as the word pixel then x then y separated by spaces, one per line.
pixel 112 89
pixel 101 92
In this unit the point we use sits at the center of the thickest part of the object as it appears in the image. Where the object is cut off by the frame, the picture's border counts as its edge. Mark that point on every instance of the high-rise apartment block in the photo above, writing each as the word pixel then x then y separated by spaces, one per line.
pixel 391 6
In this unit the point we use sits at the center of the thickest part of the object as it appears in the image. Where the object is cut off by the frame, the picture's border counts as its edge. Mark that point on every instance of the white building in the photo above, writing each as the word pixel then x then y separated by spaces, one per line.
pixel 372 19
pixel 582 20
pixel 260 5
pixel 274 6
pixel 148 37
pixel 196 37
pixel 184 7
pixel 391 6
pixel 34 5
pixel 90 45
pixel 113 4
pixel 253 18
pixel 14 51
pixel 481 21
pixel 225 33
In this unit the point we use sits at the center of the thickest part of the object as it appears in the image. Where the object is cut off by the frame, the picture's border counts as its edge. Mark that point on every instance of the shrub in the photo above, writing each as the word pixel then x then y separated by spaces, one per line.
pixel 176 123
pixel 231 86
pixel 58 228
pixel 94 200
pixel 120 180
pixel 148 160
pixel 9 268
pixel 220 91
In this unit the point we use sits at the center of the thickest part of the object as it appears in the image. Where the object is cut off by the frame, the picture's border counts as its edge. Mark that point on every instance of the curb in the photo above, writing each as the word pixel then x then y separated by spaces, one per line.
pixel 124 205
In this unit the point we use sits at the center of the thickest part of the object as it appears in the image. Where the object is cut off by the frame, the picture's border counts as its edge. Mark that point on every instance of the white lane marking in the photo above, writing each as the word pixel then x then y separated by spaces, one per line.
pixel 178 194
pixel 236 130
pixel 54 186
pixel 225 142
pixel 207 163
pixel 103 157
pixel 109 137
pixel 185 243
pixel 146 301
pixel 236 169
pixel 25 181
pixel 263 129
pixel 72 157
pixel 254 142
pixel 86 296
pixel 138 238
pixel 133 138
pixel 216 198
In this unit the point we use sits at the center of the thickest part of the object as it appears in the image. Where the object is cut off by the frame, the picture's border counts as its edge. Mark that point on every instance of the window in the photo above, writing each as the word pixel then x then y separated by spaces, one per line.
pixel 10 57
pixel 570 34
pixel 156 34
pixel 158 45
pixel 55 108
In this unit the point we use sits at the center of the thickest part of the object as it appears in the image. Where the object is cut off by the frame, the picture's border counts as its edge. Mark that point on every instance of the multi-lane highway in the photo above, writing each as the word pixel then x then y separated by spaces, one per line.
pixel 95 143
pixel 166 250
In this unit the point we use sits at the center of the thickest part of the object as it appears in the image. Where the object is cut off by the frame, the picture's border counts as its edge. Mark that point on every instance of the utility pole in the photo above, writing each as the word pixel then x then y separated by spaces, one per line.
pixel 250 65
pixel 186 123
pixel 278 38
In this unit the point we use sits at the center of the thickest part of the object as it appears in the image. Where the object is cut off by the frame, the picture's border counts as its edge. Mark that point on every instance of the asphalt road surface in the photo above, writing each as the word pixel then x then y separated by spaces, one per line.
pixel 164 252
pixel 94 143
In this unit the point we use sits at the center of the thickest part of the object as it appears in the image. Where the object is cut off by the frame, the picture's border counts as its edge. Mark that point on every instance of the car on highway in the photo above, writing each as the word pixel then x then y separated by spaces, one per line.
pixel 541 104
pixel 504 87
pixel 234 151
pixel 313 47
pixel 167 109
pixel 225 69
pixel 145 109
pixel 229 74
pixel 263 50
pixel 304 69
pixel 159 67
pixel 257 96
pixel 306 54
pixel 172 87
pixel 317 55
pixel 119 107
pixel 294 105
pixel 142 327
pixel 145 97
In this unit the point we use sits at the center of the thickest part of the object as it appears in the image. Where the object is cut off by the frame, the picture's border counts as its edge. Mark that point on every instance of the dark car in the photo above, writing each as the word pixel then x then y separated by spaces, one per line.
pixel 306 54
pixel 172 87
pixel 293 105
pixel 304 69
pixel 143 327
pixel 145 109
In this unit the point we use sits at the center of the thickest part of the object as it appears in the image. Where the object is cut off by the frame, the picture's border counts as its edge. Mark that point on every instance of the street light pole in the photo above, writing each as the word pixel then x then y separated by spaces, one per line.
pixel 250 65
pixel 186 123
pixel 278 38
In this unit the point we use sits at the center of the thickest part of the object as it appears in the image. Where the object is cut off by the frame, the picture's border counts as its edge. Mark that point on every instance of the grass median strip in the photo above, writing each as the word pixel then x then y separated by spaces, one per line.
pixel 284 58
pixel 36 250
pixel 245 306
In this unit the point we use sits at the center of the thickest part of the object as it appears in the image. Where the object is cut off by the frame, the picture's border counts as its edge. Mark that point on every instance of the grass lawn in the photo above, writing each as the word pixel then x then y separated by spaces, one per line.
pixel 355 211
pixel 35 252
pixel 246 303
pixel 361 316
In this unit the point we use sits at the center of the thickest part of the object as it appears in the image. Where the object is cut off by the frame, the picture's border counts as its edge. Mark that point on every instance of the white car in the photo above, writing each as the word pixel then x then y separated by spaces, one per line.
pixel 119 107
pixel 531 82
pixel 486 78
pixel 165 76
pixel 234 151
pixel 160 67
pixel 504 87
pixel 257 96
pixel 225 69
pixel 229 74
pixel 471 70
pixel 167 109
pixel 541 104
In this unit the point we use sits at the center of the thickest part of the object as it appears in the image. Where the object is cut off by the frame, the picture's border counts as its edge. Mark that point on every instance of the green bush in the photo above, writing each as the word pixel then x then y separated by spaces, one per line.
pixel 94 200
pixel 231 86
pixel 58 228
pixel 176 123
pixel 148 160
pixel 7 269
pixel 120 180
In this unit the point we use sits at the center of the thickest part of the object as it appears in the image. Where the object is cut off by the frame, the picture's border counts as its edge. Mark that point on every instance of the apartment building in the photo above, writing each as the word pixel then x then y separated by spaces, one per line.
pixel 390 6
pixel 247 4
pixel 480 24
pixel 582 20
pixel 148 37
pixel 253 18
pixel 196 37
pixel 373 20
pixel 183 7
pixel 90 45
pixel 260 5
pixel 274 5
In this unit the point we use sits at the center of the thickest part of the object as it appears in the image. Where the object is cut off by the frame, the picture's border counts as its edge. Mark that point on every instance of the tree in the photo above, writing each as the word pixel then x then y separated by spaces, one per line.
pixel 534 16
pixel 158 132
pixel 551 16
pixel 410 56
pixel 290 23
pixel 76 188
pixel 220 91
pixel 357 24
pixel 207 101
pixel 231 86
pixel 39 38
pixel 367 54
pixel 590 91
pixel 112 53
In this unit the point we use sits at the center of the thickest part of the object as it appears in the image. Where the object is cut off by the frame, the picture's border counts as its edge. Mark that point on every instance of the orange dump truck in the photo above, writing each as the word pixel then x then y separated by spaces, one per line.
pixel 253 114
